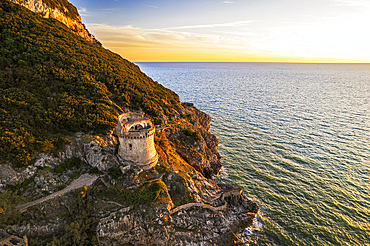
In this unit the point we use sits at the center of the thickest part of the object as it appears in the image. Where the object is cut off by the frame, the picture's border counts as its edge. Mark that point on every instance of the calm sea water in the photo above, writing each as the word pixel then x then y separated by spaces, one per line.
pixel 295 137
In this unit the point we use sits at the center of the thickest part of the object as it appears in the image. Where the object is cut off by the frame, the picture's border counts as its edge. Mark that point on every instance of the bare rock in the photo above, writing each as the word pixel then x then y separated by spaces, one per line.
pixel 38 6
pixel 8 175
pixel 99 153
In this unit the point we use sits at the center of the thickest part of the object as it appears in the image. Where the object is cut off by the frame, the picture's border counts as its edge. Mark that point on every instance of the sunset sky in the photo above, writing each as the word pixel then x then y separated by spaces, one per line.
pixel 232 31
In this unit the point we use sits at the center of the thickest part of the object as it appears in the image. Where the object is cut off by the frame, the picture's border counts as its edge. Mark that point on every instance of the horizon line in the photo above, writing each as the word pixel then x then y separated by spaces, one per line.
pixel 355 63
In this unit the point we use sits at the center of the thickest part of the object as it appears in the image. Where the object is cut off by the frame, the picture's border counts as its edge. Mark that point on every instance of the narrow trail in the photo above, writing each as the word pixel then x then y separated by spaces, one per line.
pixel 83 180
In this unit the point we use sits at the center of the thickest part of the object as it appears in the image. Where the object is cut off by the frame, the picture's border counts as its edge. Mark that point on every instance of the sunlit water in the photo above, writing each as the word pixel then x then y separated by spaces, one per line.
pixel 295 137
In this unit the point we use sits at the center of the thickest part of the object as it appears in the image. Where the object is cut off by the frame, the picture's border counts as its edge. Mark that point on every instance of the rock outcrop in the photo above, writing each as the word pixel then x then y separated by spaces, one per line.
pixel 193 224
pixel 190 210
pixel 92 150
pixel 9 176
pixel 73 21
pixel 194 142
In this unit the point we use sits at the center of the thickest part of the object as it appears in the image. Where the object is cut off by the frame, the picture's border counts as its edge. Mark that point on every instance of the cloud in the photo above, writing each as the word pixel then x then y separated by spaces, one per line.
pixel 83 11
pixel 128 36
pixel 326 39
pixel 228 24
pixel 150 6
pixel 352 3
pixel 139 44
pixel 228 2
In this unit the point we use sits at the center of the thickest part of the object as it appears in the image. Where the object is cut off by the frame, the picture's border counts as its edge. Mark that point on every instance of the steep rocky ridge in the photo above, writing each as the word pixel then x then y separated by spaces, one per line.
pixel 188 210
pixel 194 142
pixel 68 15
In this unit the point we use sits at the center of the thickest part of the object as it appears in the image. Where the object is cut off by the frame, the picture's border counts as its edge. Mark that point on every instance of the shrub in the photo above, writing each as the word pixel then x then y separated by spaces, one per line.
pixel 94 170
pixel 8 202
pixel 72 162
pixel 188 132
pixel 162 169
pixel 59 169
pixel 26 182
pixel 180 193
pixel 142 195
pixel 114 172
pixel 81 230
pixel 189 136
pixel 75 175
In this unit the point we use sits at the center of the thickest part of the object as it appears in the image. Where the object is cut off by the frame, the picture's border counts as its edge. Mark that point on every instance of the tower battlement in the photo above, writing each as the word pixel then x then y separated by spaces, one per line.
pixel 136 138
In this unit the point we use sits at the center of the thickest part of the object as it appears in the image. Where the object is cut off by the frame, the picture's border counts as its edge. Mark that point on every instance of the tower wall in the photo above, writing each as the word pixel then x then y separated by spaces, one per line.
pixel 136 144
pixel 138 148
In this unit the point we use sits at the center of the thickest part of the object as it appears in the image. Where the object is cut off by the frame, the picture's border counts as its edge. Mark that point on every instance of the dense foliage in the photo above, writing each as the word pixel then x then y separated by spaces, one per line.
pixel 189 136
pixel 81 230
pixel 8 202
pixel 53 81
pixel 140 195
pixel 114 172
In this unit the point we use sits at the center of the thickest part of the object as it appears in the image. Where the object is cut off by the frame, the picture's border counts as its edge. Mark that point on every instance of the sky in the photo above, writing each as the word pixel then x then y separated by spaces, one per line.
pixel 313 31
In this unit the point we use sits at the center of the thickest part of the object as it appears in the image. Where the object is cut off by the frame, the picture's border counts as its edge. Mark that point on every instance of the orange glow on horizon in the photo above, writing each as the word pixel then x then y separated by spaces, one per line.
pixel 327 31
pixel 195 55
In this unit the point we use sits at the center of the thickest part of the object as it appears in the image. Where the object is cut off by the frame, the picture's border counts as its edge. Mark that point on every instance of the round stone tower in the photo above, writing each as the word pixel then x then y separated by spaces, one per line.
pixel 136 139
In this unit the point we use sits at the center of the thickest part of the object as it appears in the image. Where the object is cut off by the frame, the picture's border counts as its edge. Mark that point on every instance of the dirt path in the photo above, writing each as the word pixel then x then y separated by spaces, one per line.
pixel 85 179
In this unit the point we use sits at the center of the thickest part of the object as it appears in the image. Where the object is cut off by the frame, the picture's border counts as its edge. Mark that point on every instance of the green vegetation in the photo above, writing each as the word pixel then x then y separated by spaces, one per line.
pixel 169 159
pixel 162 140
pixel 73 162
pixel 94 170
pixel 162 169
pixel 189 136
pixel 179 191
pixel 75 175
pixel 114 172
pixel 27 182
pixel 188 132
pixel 141 195
pixel 24 185
pixel 8 202
pixel 53 81
pixel 81 231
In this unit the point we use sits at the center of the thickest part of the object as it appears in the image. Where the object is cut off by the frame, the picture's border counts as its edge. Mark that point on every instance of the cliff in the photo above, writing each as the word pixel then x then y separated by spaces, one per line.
pixel 194 142
pixel 62 11
pixel 61 180
pixel 171 204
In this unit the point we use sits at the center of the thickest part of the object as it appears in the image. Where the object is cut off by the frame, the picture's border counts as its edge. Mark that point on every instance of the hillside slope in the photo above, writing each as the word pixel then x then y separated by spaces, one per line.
pixel 53 81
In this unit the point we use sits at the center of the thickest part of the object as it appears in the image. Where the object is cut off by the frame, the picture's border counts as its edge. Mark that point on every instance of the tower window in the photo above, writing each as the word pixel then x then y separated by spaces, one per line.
pixel 130 146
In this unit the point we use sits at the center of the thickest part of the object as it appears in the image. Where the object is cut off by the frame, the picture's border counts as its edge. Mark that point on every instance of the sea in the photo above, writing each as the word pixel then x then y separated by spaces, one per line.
pixel 295 137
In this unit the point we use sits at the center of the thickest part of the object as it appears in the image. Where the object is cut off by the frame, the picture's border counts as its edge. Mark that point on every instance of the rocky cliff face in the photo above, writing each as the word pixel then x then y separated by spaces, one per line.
pixel 93 151
pixel 190 209
pixel 193 141
pixel 75 24
pixel 193 225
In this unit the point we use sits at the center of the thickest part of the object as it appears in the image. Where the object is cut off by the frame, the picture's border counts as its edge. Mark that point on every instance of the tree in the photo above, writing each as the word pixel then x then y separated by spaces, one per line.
pixel 9 215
